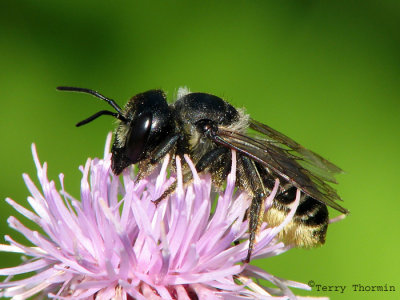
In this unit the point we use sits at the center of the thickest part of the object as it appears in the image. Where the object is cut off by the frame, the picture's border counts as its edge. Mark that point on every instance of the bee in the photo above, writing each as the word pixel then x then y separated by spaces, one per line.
pixel 207 128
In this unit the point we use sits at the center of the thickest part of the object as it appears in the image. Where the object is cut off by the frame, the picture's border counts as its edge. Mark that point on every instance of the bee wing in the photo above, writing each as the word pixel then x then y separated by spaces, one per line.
pixel 312 161
pixel 304 169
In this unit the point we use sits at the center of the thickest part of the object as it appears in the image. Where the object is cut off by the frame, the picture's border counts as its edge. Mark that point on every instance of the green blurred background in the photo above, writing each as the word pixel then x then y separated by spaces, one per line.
pixel 326 74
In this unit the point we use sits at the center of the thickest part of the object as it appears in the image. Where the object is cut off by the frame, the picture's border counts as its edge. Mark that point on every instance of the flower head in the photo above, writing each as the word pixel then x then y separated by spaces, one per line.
pixel 114 243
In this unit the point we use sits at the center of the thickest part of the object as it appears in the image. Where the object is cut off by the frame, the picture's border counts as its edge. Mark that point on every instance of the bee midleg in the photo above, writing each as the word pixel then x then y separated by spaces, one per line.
pixel 187 177
pixel 209 158
pixel 256 188
pixel 310 222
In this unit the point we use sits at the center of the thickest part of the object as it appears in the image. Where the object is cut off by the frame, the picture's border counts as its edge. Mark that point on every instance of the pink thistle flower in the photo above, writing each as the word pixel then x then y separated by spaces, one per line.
pixel 116 244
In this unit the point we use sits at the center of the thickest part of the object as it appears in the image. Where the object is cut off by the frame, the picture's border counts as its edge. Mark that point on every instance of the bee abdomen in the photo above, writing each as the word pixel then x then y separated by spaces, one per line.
pixel 309 224
pixel 312 212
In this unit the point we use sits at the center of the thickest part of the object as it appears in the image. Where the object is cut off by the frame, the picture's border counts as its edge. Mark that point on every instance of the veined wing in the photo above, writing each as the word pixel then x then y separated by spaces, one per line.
pixel 304 169
pixel 311 160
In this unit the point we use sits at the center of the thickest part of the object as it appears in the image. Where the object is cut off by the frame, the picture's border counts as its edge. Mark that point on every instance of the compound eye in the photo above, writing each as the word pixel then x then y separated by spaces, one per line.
pixel 138 137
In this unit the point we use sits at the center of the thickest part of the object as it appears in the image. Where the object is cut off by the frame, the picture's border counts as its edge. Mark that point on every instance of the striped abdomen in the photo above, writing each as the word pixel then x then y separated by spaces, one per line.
pixel 309 224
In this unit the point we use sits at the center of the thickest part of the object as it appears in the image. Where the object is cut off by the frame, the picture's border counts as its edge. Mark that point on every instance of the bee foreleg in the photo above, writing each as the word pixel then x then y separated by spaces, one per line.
pixel 166 193
pixel 164 147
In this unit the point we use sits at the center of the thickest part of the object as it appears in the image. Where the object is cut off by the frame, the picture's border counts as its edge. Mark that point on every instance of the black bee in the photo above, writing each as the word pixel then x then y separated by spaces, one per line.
pixel 207 128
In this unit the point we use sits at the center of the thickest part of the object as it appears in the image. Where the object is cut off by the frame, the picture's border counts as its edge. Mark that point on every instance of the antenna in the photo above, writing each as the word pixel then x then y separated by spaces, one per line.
pixel 119 115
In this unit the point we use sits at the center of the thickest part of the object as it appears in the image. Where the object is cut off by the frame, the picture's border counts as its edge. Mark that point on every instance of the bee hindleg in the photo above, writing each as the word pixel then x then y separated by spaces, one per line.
pixel 254 184
pixel 255 216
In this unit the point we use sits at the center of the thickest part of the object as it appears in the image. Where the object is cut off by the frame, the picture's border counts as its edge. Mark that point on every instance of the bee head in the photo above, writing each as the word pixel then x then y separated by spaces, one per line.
pixel 148 121
pixel 144 121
